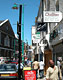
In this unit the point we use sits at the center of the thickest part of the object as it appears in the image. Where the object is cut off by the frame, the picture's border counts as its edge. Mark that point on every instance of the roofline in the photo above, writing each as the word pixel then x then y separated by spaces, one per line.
pixel 3 22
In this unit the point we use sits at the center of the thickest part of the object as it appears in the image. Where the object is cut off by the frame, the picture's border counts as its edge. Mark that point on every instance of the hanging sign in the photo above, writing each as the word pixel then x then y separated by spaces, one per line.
pixel 52 16
pixel 36 38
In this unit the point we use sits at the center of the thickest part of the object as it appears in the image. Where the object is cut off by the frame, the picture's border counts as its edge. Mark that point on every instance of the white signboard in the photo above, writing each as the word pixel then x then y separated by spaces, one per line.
pixel 42 45
pixel 52 16
pixel 36 38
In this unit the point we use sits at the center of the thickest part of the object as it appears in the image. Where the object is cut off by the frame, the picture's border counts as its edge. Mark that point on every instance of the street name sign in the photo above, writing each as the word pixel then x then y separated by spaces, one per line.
pixel 52 16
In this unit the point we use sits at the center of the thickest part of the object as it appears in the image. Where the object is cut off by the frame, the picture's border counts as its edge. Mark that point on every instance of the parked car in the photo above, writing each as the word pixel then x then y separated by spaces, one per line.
pixel 8 61
pixel 8 72
pixel 11 61
pixel 14 62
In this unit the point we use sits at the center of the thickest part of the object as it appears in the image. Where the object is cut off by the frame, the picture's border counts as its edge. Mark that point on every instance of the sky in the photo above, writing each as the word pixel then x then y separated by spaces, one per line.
pixel 30 12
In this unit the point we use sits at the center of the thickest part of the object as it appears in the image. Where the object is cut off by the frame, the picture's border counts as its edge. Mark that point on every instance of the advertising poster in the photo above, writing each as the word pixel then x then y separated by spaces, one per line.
pixel 30 74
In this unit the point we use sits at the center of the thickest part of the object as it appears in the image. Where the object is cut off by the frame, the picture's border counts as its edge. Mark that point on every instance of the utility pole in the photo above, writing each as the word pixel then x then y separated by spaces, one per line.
pixel 20 42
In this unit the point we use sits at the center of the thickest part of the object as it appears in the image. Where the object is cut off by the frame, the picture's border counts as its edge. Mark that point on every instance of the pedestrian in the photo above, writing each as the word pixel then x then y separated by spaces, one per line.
pixel 41 70
pixel 35 65
pixel 28 62
pixel 58 64
pixel 52 72
pixel 21 69
pixel 61 67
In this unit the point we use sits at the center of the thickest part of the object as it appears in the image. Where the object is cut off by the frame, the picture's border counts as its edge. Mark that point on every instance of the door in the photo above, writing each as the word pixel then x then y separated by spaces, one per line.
pixel 47 57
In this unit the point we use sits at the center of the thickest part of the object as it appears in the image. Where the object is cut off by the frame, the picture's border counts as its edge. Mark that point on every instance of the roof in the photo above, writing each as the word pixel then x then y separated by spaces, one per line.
pixel 3 21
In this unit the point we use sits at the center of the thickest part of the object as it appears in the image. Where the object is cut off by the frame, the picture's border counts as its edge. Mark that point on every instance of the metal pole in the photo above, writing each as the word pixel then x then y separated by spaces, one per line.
pixel 23 33
pixel 20 43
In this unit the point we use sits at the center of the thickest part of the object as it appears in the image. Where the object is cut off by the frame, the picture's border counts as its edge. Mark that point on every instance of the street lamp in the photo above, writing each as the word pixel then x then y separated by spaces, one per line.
pixel 15 6
pixel 19 41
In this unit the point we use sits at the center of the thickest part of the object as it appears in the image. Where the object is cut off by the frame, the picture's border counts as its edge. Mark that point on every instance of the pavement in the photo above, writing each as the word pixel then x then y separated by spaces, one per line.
pixel 38 79
pixel 41 79
pixel 44 78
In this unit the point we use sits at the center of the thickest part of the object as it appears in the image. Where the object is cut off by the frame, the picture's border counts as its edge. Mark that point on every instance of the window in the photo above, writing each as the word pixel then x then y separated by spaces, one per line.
pixel 7 28
pixel 48 5
pixel 12 43
pixel 7 41
pixel 57 5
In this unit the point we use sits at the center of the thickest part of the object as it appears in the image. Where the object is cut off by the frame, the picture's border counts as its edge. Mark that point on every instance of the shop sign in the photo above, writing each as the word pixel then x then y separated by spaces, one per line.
pixel 52 16
pixel 36 38
pixel 30 74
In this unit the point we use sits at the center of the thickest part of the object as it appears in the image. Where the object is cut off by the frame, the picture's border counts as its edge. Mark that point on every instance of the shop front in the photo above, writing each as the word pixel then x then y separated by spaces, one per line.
pixel 58 52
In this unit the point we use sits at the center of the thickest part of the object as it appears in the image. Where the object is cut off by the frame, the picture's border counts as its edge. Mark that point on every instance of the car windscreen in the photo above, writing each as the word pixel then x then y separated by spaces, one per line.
pixel 7 67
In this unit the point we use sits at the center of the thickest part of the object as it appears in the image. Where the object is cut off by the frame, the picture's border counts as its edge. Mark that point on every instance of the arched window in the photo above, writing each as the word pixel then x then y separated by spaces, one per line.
pixel 7 41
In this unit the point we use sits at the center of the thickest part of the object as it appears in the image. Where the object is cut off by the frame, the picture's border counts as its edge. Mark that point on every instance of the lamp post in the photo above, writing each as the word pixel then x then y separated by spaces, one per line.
pixel 20 42
pixel 19 33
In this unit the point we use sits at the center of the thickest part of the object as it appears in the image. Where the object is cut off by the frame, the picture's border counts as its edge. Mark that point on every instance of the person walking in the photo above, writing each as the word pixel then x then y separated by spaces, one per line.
pixel 52 72
pixel 41 70
pixel 35 65
pixel 21 69
pixel 61 67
